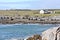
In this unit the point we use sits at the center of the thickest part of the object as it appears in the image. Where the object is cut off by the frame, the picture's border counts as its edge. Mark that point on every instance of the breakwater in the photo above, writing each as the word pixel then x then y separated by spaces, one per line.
pixel 26 20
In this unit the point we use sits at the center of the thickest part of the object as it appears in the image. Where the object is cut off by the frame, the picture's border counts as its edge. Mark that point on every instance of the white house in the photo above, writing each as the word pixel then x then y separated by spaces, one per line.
pixel 46 11
pixel 50 34
pixel 42 11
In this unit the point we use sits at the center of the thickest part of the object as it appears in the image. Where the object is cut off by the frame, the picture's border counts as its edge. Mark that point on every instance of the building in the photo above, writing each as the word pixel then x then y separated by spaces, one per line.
pixel 42 11
pixel 51 11
pixel 46 11
pixel 51 34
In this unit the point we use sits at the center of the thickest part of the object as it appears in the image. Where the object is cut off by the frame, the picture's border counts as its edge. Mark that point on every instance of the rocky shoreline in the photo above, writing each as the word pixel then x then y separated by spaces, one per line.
pixel 27 20
pixel 35 37
pixel 49 34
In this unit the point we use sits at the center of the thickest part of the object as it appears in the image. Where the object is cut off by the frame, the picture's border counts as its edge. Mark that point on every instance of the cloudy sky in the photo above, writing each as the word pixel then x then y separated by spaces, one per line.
pixel 29 4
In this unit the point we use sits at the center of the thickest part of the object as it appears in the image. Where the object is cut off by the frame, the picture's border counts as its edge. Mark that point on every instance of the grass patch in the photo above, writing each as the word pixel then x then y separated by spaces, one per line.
pixel 23 13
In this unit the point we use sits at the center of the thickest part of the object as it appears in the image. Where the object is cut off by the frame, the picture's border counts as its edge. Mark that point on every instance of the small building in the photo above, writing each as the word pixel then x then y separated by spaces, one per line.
pixel 51 11
pixel 46 11
pixel 42 11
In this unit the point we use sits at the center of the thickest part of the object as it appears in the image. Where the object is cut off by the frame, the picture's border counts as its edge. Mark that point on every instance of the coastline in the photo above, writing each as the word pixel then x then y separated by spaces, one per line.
pixel 32 22
pixel 45 34
pixel 29 20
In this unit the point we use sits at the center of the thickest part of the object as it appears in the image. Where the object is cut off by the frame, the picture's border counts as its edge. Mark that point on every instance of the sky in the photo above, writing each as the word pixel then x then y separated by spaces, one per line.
pixel 29 4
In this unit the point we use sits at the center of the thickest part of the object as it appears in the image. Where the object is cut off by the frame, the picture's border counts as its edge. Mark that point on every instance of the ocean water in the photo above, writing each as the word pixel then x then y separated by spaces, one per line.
pixel 16 31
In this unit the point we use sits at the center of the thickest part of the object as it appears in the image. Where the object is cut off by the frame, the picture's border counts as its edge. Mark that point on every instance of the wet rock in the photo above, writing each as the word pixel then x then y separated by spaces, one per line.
pixel 30 38
pixel 35 37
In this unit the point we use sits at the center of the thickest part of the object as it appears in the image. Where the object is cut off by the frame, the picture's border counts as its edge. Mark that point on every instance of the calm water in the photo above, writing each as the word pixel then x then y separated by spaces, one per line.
pixel 22 30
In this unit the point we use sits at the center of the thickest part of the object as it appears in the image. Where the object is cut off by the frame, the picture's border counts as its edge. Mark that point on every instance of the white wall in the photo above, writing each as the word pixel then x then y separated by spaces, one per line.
pixel 41 11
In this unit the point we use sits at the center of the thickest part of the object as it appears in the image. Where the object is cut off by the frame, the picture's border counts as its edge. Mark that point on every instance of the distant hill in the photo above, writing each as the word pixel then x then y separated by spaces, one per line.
pixel 21 9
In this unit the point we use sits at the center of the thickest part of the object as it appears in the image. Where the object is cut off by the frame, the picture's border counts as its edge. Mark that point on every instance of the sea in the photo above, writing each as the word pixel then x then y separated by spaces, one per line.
pixel 22 31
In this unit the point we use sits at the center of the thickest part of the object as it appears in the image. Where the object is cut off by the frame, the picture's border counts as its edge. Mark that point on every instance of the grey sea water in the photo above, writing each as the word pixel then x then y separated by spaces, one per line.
pixel 22 30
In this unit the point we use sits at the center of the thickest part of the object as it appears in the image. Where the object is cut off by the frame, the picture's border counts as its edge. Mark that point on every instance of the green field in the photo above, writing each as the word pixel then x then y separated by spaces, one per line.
pixel 30 13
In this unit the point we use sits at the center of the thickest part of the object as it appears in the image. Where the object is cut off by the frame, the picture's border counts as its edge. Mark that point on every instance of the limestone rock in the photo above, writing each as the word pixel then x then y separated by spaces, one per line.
pixel 51 34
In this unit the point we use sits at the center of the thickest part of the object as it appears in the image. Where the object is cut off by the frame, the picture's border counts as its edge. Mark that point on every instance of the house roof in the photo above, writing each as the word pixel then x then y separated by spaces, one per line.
pixel 47 9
